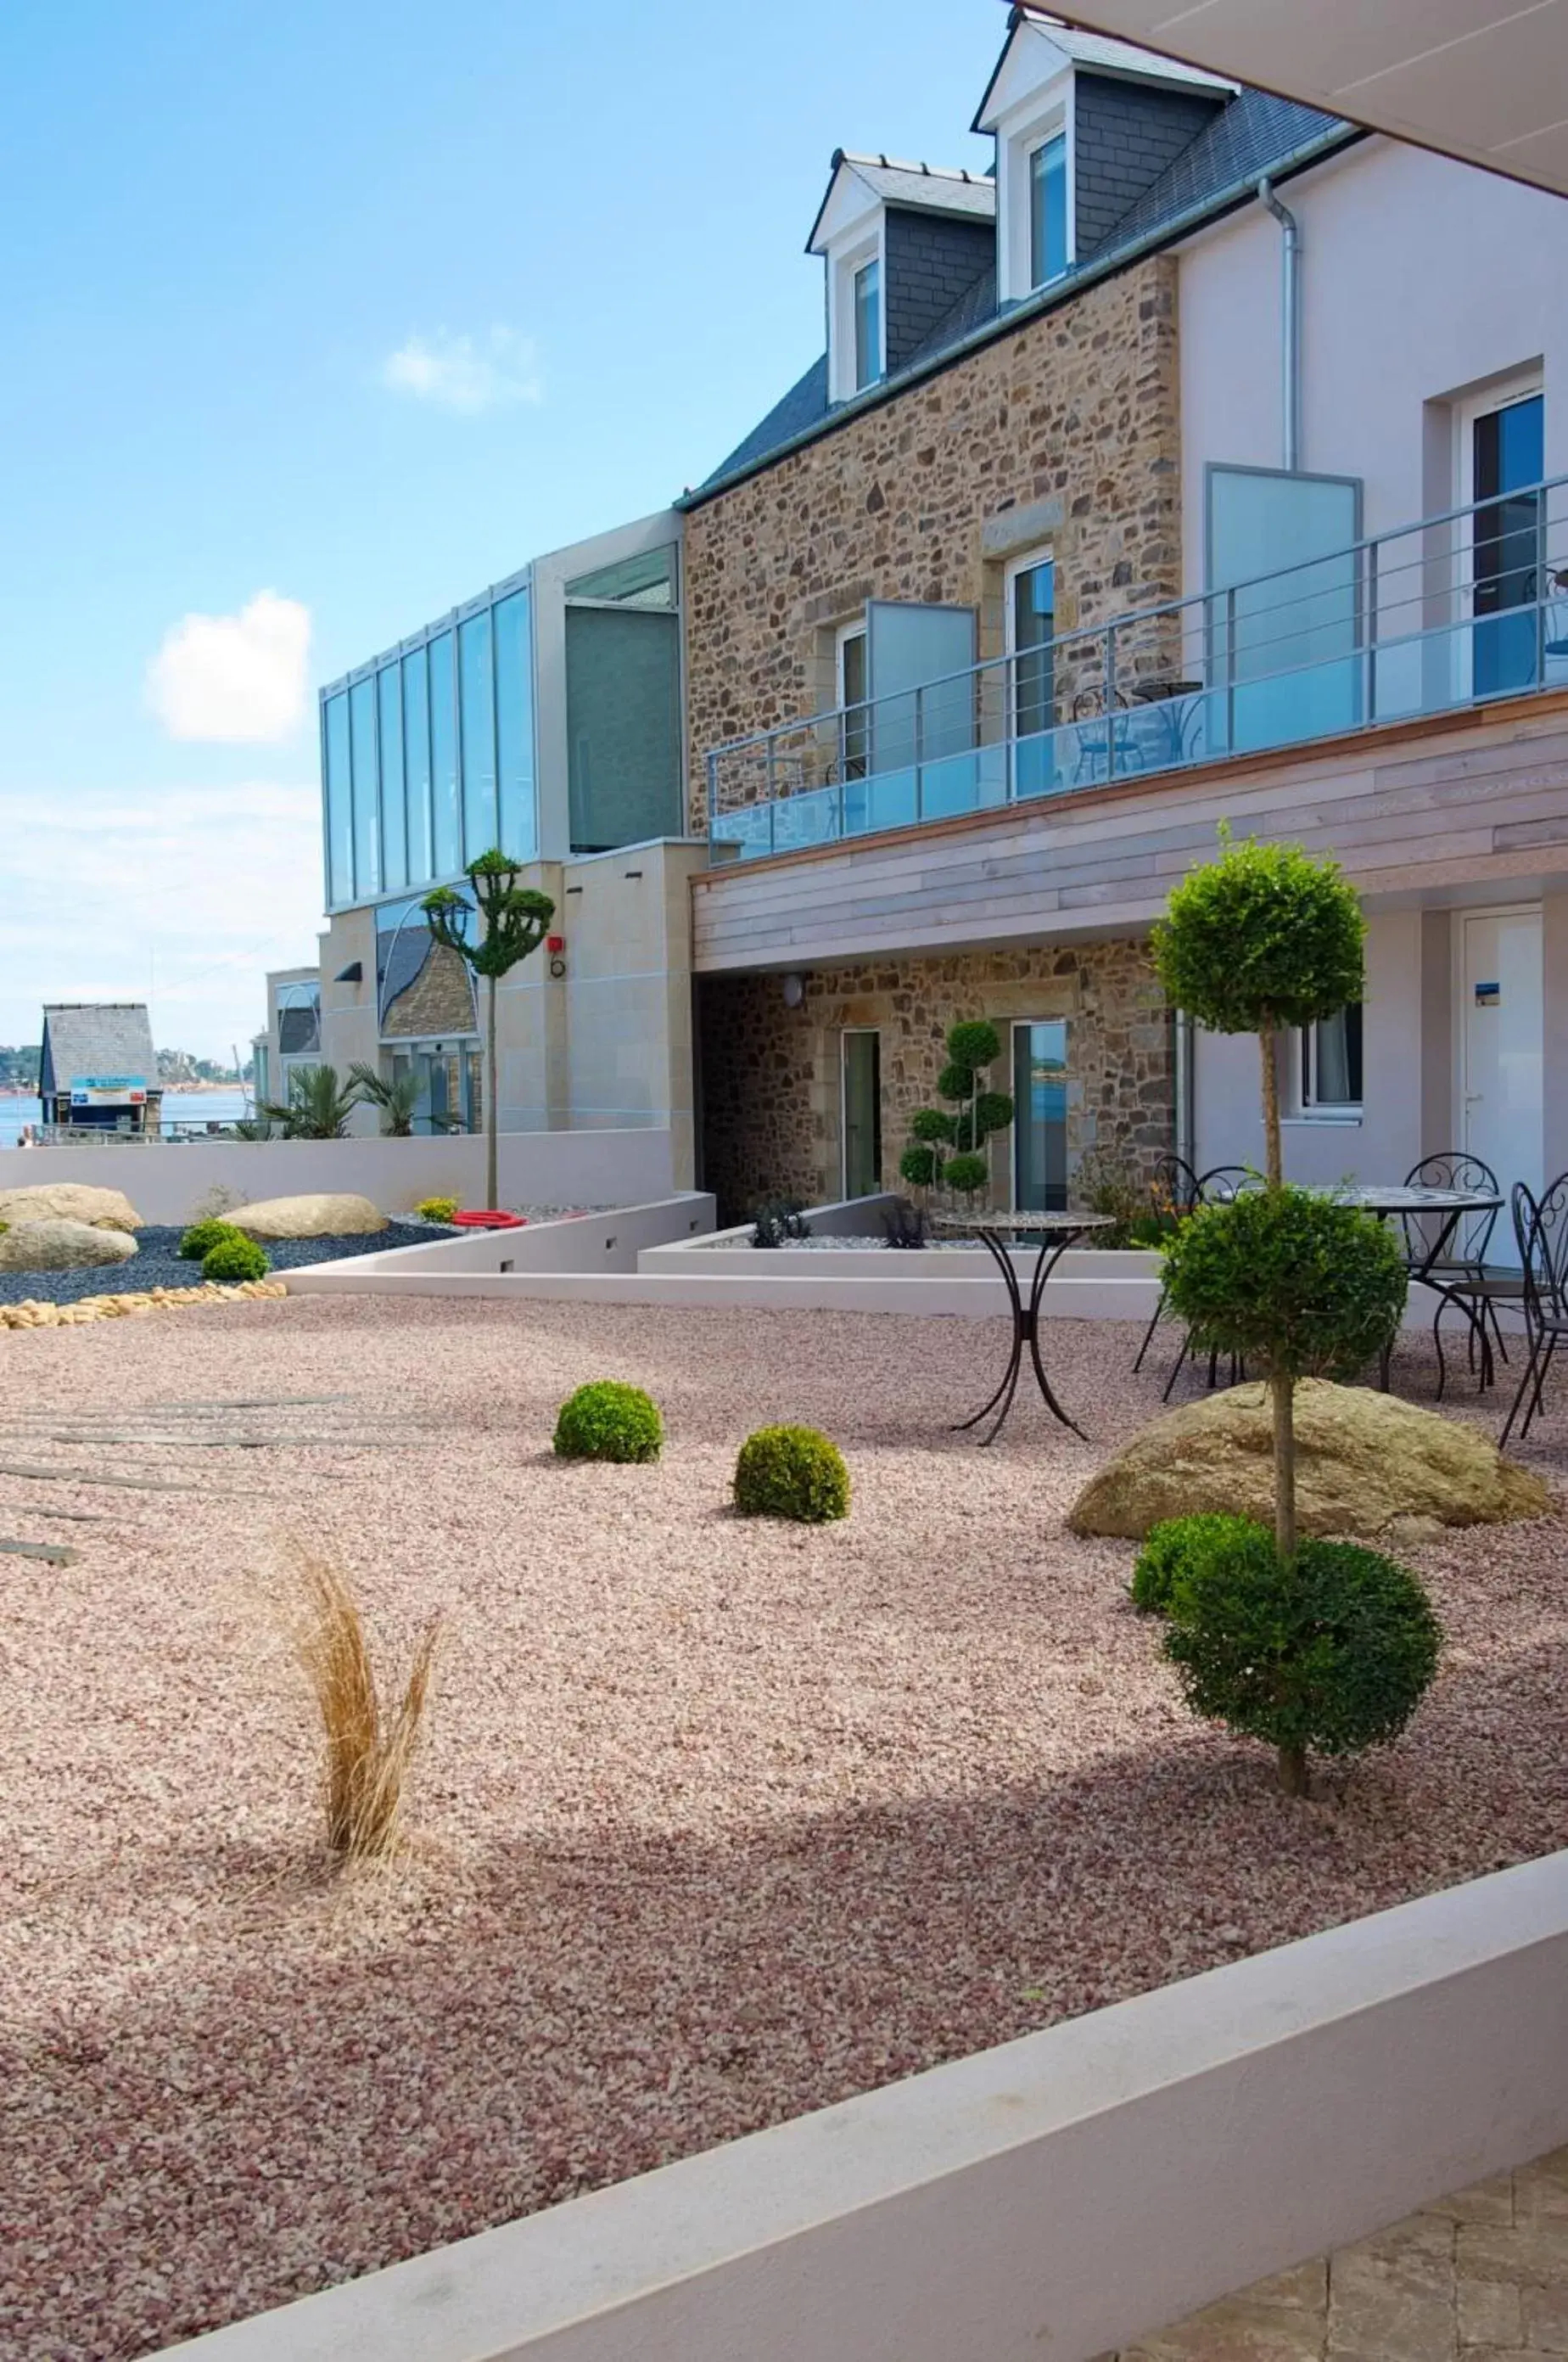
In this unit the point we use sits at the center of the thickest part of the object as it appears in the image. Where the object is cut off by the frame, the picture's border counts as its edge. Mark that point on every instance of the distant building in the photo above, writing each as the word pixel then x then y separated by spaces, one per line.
pixel 97 1070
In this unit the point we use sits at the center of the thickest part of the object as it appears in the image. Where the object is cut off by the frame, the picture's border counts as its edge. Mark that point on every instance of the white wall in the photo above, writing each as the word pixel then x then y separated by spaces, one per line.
pixel 1421 277
pixel 166 1183
pixel 1046 2201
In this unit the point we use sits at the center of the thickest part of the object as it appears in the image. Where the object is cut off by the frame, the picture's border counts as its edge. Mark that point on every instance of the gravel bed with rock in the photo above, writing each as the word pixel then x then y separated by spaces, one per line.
pixel 716 1820
pixel 157 1263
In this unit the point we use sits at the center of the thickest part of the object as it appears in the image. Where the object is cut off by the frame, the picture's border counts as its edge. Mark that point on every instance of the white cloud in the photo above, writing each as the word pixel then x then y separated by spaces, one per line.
pixel 466 373
pixel 195 891
pixel 239 679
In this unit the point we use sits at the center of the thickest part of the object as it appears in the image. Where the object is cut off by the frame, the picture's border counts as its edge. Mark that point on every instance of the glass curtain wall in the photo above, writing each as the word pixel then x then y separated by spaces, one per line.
pixel 427 757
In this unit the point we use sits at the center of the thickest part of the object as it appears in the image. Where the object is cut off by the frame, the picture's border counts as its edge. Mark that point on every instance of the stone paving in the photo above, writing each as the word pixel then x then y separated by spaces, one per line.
pixel 1482 2277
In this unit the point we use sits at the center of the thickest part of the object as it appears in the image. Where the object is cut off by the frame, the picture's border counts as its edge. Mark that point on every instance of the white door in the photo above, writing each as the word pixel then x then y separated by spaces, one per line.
pixel 1500 1056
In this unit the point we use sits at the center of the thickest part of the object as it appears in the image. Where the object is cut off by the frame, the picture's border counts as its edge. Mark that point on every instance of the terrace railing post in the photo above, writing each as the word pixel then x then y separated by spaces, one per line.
pixel 1371 714
pixel 773 796
pixel 919 749
pixel 1231 670
pixel 712 797
pixel 1110 702
pixel 1542 586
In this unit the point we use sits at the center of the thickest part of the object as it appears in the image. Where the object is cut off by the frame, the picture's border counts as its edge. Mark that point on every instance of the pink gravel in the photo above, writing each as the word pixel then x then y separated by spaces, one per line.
pixel 718 1820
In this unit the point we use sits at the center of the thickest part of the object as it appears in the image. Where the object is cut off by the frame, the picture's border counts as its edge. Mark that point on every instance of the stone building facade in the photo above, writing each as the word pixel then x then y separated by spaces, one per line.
pixel 770 1075
pixel 1065 432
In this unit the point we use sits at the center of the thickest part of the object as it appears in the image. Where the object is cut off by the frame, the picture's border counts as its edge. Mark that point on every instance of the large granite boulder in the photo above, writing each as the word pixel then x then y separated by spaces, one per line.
pixel 326 1216
pixel 62 1246
pixel 69 1202
pixel 1363 1460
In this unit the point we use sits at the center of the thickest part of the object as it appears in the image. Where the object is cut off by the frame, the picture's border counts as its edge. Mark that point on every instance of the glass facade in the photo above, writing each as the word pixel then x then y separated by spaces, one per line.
pixel 1048 211
pixel 624 704
pixel 868 324
pixel 427 757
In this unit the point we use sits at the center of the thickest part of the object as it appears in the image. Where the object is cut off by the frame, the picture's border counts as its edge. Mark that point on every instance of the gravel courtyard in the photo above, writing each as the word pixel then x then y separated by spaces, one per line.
pixel 717 1821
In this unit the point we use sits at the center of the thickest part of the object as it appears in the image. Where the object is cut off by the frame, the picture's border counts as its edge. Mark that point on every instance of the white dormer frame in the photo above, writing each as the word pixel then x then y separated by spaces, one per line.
pixel 851 230
pixel 1029 102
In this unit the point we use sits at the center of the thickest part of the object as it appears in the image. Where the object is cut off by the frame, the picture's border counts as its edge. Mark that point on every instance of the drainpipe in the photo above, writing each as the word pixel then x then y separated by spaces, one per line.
pixel 1290 338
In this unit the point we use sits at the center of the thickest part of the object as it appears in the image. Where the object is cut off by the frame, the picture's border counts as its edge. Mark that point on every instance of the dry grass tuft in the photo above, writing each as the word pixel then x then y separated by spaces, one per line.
pixel 365 1752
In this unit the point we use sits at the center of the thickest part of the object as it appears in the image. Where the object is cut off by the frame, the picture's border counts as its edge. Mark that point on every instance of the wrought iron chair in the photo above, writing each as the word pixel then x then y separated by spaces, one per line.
pixel 1177 1184
pixel 1215 1187
pixel 1459 1274
pixel 1542 1229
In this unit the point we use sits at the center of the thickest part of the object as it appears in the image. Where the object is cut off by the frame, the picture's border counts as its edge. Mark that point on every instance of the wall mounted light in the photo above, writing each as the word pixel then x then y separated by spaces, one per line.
pixel 793 991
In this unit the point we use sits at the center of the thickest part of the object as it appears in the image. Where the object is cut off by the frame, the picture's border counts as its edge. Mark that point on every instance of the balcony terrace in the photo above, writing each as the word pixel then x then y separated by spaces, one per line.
pixel 1444 615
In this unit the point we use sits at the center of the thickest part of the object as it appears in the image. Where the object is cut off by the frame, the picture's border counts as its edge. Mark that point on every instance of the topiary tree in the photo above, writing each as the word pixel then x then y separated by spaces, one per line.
pixel 1177 1551
pixel 512 923
pixel 972 1046
pixel 608 1420
pixel 792 1471
pixel 1331 1651
pixel 1261 940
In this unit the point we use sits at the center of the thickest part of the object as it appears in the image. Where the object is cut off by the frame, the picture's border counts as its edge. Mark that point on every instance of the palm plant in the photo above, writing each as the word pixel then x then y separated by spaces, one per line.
pixel 397 1099
pixel 318 1105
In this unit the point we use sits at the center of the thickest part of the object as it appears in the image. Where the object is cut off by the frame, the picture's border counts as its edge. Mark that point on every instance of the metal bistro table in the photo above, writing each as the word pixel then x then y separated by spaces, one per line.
pixel 1056 1234
pixel 1449 1207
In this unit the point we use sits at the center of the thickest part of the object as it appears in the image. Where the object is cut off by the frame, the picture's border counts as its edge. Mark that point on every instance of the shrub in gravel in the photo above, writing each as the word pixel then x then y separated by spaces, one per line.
pixel 792 1471
pixel 437 1209
pixel 607 1421
pixel 1331 1651
pixel 234 1258
pixel 203 1237
pixel 365 1749
pixel 1177 1549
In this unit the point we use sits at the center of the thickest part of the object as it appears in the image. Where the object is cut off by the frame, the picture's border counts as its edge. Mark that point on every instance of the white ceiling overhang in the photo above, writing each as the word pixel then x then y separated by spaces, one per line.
pixel 1483 79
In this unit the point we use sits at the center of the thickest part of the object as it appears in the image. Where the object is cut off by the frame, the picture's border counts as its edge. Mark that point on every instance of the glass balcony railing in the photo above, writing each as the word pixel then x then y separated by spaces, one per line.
pixel 1455 609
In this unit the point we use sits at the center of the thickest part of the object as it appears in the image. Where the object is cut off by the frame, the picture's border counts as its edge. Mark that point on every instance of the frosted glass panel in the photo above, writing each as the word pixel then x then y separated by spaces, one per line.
pixel 1288 644
pixel 910 648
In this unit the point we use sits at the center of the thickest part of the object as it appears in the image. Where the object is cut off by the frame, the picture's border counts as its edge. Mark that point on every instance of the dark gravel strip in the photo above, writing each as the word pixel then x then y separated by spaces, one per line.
pixel 156 1263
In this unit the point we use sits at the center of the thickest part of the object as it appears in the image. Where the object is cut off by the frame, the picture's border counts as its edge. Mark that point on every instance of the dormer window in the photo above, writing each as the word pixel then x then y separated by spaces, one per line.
pixel 1083 126
pixel 902 245
pixel 1047 210
pixel 867 300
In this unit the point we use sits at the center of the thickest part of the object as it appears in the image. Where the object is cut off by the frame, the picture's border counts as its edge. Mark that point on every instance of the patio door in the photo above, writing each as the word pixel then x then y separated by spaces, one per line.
pixel 1507 461
pixel 1501 1051
pixel 862 1112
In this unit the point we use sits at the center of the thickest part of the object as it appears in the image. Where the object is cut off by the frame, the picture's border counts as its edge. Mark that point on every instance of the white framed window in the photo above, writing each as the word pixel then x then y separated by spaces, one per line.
pixel 1047 210
pixel 1036 215
pixel 860 1110
pixel 854 713
pixel 1328 1065
pixel 856 339
pixel 1039 1113
pixel 866 301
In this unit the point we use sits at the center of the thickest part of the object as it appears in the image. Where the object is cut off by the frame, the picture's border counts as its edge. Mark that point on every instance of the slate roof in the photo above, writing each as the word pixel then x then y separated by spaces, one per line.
pixel 1245 140
pixel 1255 133
pixel 106 1037
pixel 943 190
pixel 1100 53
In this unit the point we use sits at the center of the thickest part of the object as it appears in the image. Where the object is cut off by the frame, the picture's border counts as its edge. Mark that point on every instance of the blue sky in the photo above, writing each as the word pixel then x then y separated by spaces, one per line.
pixel 360 306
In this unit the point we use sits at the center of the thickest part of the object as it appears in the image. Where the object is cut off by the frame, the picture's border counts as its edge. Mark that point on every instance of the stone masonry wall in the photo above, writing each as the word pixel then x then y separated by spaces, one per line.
pixel 770 1075
pixel 1064 434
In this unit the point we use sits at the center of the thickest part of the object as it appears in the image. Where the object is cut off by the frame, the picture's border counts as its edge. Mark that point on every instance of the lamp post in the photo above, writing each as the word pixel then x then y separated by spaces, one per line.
pixel 512 923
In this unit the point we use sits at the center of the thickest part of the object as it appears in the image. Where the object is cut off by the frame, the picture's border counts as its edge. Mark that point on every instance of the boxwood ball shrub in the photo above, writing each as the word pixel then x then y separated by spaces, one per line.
pixel 234 1258
pixel 203 1237
pixel 792 1471
pixel 1299 1284
pixel 1327 1652
pixel 437 1209
pixel 1178 1549
pixel 607 1421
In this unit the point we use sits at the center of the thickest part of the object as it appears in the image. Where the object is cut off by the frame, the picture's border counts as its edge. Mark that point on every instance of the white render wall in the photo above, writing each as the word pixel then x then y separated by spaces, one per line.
pixel 1421 280
pixel 1044 2201
pixel 168 1184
